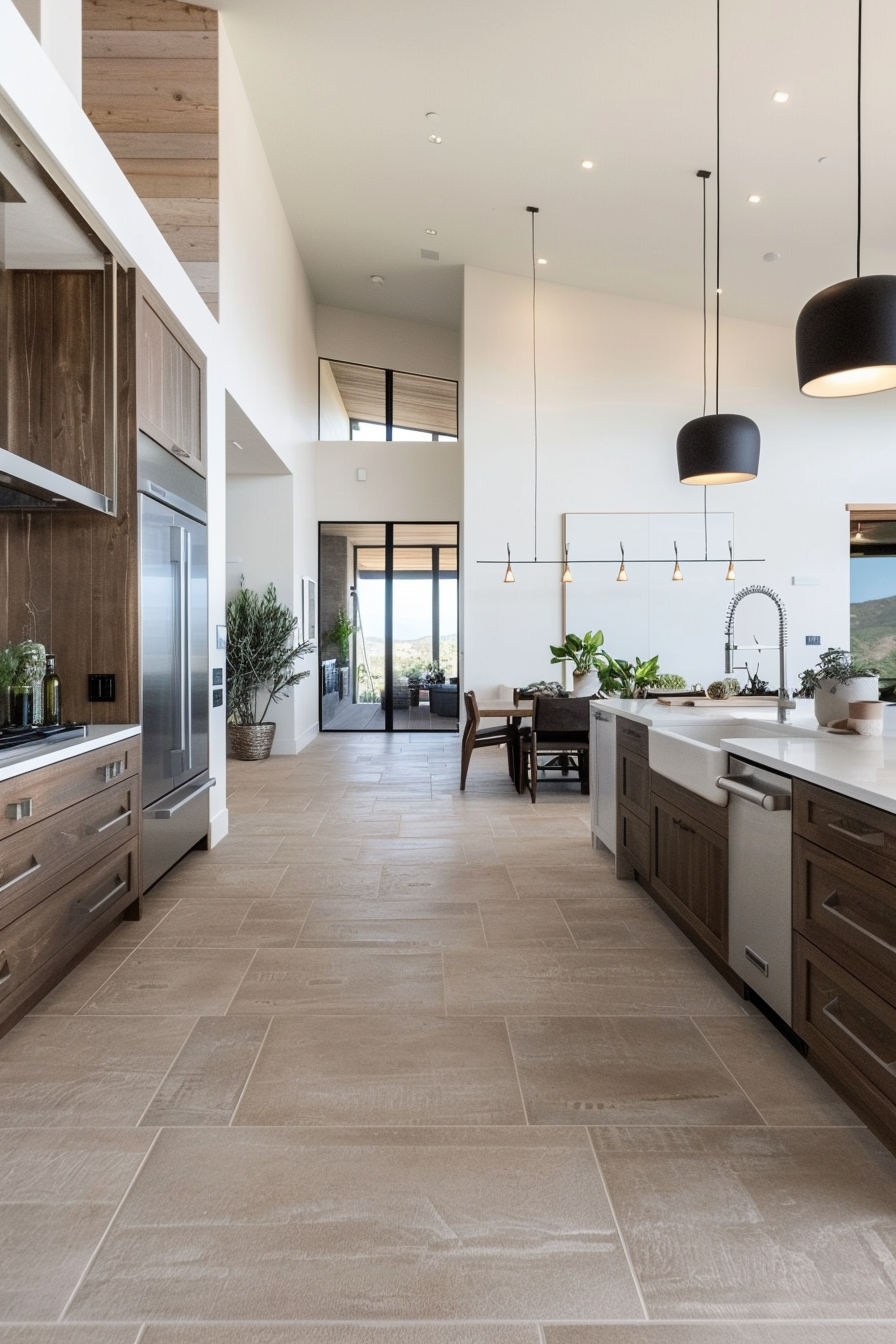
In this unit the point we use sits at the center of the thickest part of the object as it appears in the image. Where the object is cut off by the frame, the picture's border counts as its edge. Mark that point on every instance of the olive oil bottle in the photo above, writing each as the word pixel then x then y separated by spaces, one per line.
pixel 52 693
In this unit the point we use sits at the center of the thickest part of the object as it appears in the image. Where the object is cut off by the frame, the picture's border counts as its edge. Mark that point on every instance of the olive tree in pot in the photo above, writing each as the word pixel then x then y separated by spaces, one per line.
pixel 261 660
pixel 583 651
pixel 835 682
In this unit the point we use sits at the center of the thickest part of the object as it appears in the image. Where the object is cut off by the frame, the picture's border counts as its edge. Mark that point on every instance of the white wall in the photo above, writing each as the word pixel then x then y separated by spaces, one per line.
pixel 617 378
pixel 387 342
pixel 334 421
pixel 270 358
pixel 406 482
pixel 57 26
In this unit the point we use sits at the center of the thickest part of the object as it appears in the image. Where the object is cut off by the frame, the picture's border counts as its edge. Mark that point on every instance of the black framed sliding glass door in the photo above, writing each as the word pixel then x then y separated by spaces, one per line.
pixel 389 620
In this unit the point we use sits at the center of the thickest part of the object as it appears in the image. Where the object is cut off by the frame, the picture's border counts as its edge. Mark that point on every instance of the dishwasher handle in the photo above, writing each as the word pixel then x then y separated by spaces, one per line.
pixel 770 801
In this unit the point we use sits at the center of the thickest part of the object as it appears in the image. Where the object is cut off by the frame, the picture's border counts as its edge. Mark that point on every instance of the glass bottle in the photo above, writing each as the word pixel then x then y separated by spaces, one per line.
pixel 52 693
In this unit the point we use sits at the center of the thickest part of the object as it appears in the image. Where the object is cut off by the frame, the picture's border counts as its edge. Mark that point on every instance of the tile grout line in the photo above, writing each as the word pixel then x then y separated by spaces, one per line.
pixel 261 1046
pixel 99 1246
pixel 575 941
pixel 239 986
pixel 538 1325
pixel 482 925
pixel 141 1332
pixel 730 1073
pixel 516 1071
pixel 91 997
pixel 311 901
pixel 188 1038
pixel 622 1241
pixel 444 983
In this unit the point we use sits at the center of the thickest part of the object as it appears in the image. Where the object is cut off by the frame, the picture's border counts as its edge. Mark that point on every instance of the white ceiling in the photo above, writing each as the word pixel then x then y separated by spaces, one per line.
pixel 525 90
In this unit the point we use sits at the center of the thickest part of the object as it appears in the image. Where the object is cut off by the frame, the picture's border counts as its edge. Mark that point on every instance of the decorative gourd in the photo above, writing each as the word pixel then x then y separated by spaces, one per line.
pixel 719 690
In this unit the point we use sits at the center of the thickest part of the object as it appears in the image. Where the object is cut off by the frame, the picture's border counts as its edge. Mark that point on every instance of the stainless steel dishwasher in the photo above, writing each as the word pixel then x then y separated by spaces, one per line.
pixel 760 921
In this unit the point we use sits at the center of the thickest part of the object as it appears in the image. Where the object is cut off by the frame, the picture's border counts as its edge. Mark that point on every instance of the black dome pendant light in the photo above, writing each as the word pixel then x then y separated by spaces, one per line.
pixel 846 334
pixel 716 449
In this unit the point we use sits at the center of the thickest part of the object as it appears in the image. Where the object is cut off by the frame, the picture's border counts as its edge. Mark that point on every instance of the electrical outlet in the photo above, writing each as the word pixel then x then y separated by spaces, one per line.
pixel 100 686
pixel 217 676
pixel 217 699
pixel 813 639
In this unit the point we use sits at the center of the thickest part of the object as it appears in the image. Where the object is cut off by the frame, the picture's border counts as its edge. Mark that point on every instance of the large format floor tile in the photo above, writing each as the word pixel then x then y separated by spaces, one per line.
pixel 395 924
pixel 58 1192
pixel 172 980
pixel 341 980
pixel 207 1079
pixel 74 1071
pixel 369 1071
pixel 418 1333
pixel 623 1071
pixel 723 1332
pixel 641 982
pixel 493 1224
pixel 756 1222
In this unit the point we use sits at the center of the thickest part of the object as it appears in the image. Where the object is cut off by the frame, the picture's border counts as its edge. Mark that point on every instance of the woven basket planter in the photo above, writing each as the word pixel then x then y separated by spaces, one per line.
pixel 250 741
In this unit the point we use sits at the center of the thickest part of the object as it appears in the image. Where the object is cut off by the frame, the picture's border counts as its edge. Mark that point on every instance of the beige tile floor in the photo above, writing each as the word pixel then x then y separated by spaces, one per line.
pixel 400 1065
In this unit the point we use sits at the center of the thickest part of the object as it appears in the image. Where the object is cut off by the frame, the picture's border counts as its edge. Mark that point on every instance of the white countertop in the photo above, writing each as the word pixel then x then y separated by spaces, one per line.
pixel 863 768
pixel 14 763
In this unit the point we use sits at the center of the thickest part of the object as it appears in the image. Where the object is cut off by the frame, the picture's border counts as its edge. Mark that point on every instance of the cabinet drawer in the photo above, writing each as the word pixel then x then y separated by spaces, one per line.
pixel 690 867
pixel 59 921
pixel 632 736
pixel 863 835
pixel 32 797
pixel 633 838
pixel 80 833
pixel 850 1026
pixel 848 913
pixel 633 784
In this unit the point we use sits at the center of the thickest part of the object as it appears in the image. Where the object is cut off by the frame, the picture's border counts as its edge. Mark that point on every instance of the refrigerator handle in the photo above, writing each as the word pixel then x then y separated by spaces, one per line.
pixel 187 660
pixel 181 650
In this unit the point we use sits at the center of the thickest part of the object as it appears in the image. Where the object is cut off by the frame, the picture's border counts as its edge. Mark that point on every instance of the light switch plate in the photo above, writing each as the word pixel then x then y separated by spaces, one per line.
pixel 362 473
pixel 813 639
pixel 220 636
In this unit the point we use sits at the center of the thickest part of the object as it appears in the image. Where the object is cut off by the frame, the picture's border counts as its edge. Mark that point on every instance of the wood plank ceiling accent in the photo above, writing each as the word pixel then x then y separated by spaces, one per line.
pixel 150 87
pixel 418 402
pixel 362 389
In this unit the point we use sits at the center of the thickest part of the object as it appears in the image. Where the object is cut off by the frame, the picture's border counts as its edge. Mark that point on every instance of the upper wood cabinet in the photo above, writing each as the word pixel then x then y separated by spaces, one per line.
pixel 169 387
pixel 52 373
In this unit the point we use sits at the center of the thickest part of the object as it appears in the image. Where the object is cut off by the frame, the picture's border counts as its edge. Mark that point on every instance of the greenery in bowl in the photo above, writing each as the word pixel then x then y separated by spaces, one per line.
pixel 631 680
pixel 583 651
pixel 835 665
pixel 668 681
pixel 260 653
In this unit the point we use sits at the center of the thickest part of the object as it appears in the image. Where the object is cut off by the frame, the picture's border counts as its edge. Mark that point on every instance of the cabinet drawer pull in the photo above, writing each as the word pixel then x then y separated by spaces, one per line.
pixel 831 1011
pixel 864 836
pixel 17 811
pixel 100 830
pixel 111 771
pixel 29 872
pixel 104 900
pixel 853 924
pixel 5 972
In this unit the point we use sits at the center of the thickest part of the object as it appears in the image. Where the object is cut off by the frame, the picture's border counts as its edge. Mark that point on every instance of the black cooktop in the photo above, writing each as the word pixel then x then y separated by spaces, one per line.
pixel 16 738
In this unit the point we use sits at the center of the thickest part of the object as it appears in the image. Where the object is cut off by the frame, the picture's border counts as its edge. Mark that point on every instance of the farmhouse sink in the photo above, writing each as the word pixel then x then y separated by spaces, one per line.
pixel 692 755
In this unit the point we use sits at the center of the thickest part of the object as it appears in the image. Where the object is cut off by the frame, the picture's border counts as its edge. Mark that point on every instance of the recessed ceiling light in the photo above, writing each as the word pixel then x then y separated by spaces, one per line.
pixel 237 445
pixel 771 256
pixel 435 139
pixel 754 200
pixel 587 163
pixel 432 232
pixel 779 96
pixel 376 279
pixel 542 261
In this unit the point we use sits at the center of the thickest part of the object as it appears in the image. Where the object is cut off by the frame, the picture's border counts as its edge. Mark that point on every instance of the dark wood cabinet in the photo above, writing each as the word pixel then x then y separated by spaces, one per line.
pixel 169 387
pixel 632 798
pixel 689 861
pixel 69 866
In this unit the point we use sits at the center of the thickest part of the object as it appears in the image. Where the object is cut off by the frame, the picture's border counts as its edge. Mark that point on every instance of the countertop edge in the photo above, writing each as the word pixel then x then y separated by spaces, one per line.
pixel 98 735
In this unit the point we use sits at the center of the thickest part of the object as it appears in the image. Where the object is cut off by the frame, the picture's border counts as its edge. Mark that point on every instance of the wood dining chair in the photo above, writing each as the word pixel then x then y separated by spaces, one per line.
pixel 561 726
pixel 502 734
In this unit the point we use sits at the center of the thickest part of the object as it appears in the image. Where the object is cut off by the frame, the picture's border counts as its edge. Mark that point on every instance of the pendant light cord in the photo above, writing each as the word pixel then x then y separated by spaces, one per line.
pixel 859 151
pixel 533 210
pixel 718 190
pixel 704 295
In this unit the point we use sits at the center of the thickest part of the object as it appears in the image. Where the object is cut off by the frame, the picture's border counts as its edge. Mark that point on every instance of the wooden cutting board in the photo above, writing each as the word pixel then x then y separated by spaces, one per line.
pixel 738 701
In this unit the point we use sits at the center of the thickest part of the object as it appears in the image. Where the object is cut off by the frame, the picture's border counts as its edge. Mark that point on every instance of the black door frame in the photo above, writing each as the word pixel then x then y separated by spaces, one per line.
pixel 389 575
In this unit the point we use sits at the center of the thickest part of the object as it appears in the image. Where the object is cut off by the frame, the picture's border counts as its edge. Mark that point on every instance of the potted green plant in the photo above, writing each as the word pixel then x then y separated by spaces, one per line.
pixel 261 659
pixel 340 634
pixel 835 681
pixel 9 666
pixel 631 680
pixel 584 652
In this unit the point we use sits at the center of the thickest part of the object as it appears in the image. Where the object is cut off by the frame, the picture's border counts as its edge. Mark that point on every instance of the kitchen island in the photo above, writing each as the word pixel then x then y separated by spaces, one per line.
pixel 836 952
pixel 70 863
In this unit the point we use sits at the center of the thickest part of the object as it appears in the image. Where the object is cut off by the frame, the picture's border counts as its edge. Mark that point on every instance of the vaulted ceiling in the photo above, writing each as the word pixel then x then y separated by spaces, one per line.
pixel 525 91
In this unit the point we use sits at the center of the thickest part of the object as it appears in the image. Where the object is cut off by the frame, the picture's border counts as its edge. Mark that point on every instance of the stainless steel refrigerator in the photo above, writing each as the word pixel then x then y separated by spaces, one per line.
pixel 174 658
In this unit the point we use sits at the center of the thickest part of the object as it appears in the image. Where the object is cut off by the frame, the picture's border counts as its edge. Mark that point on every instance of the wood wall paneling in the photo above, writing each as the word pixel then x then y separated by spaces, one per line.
pixel 150 87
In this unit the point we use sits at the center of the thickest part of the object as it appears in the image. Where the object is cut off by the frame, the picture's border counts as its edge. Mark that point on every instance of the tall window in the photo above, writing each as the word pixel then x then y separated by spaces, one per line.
pixel 872 594
pixel 358 401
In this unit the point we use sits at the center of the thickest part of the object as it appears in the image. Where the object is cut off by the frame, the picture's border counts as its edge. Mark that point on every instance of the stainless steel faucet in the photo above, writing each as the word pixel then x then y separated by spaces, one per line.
pixel 785 704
